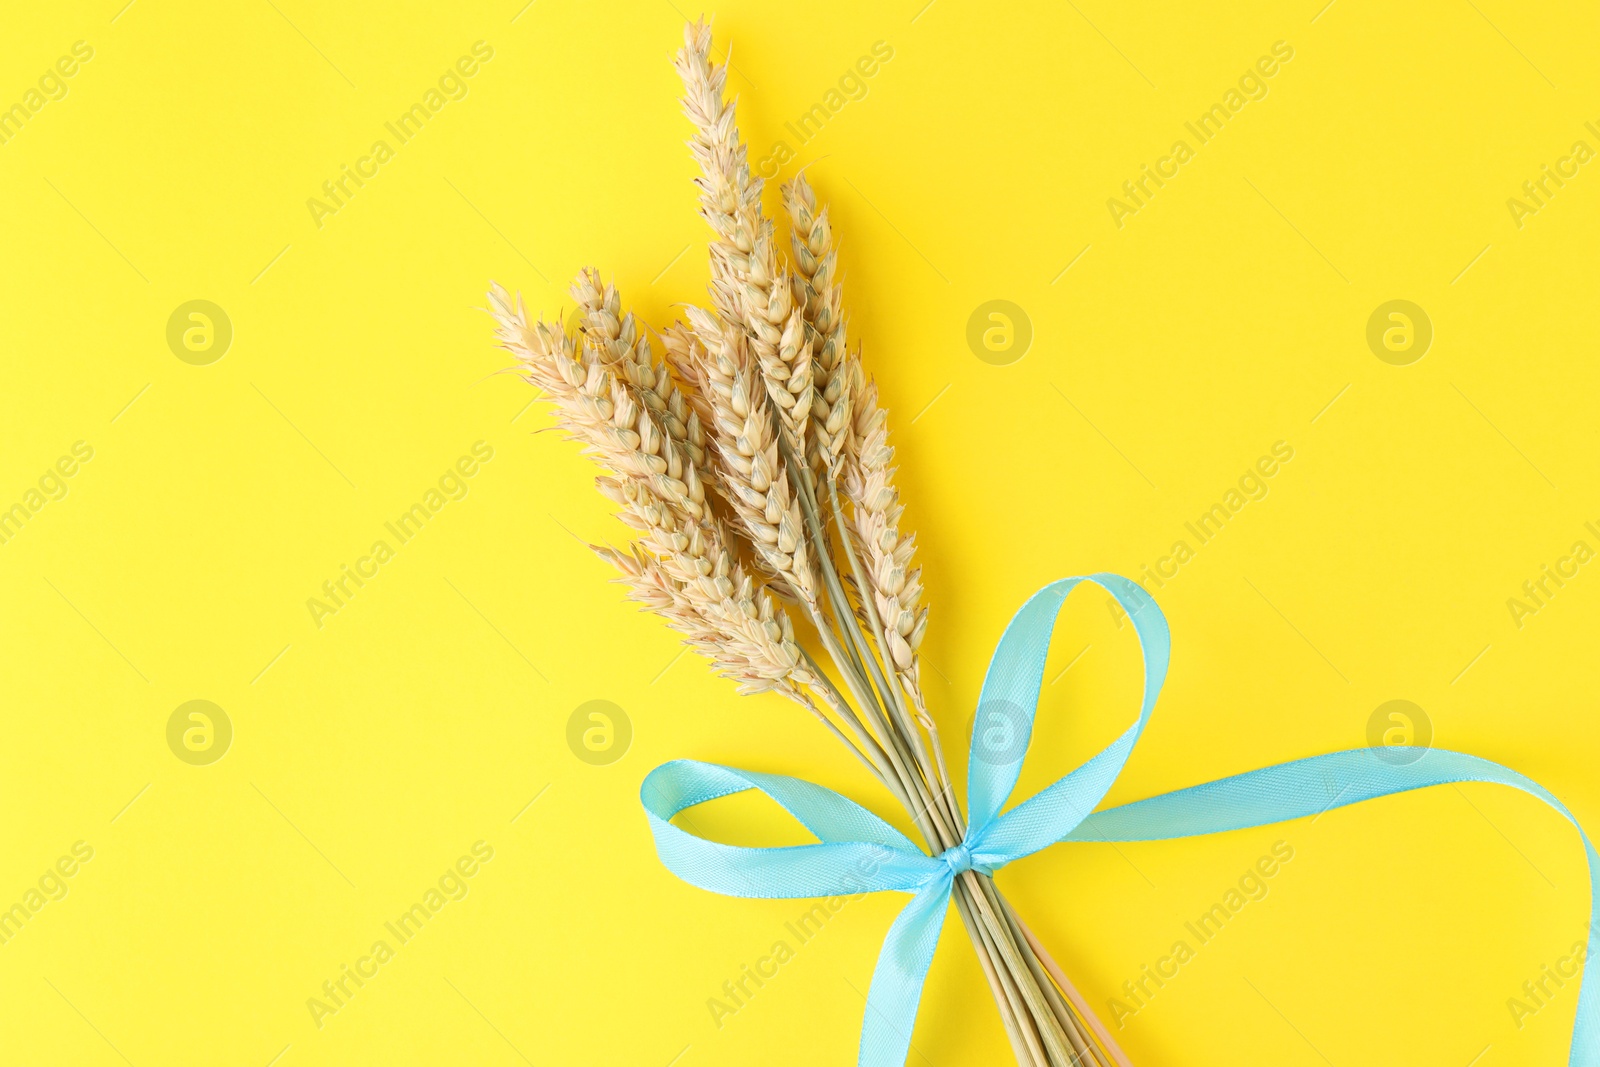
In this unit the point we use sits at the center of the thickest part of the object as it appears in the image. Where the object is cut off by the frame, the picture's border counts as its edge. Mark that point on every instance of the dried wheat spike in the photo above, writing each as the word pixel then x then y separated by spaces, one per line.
pixel 730 199
pixel 595 405
pixel 896 585
pixel 681 572
pixel 750 466
pixel 686 572
pixel 749 285
pixel 616 340
pixel 778 338
pixel 688 365
pixel 818 296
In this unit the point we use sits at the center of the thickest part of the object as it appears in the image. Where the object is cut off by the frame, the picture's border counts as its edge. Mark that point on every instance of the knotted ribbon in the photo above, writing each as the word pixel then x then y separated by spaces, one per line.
pixel 858 852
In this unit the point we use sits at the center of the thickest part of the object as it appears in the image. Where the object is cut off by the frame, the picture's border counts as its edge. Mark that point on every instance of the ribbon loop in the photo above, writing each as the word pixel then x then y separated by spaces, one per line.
pixel 1016 674
pixel 857 852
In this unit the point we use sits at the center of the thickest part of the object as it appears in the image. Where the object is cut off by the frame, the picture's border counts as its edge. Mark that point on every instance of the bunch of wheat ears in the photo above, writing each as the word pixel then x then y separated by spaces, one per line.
pixel 752 457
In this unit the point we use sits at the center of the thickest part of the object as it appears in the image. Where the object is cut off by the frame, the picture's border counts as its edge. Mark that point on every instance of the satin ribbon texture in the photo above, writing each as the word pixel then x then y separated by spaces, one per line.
pixel 858 852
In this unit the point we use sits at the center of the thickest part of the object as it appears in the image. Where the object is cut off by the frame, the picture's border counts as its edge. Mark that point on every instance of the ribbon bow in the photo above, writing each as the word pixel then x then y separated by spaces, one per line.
pixel 859 852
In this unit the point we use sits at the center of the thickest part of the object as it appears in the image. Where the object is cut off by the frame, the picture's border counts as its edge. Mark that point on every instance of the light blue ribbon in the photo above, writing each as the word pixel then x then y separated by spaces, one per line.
pixel 859 852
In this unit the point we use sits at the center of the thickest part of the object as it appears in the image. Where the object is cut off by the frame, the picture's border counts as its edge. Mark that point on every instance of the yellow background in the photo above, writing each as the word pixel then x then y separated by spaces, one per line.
pixel 370 753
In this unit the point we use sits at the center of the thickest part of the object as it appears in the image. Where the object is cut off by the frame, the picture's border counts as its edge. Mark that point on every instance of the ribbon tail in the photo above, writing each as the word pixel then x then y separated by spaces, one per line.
pixel 897 980
pixel 1321 783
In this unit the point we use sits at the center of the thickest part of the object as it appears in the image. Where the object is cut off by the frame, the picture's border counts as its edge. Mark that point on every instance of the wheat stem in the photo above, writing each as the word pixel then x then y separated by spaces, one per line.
pixel 870 751
pixel 991 972
pixel 987 935
pixel 1082 1045
pixel 933 768
pixel 1030 978
pixel 1080 1005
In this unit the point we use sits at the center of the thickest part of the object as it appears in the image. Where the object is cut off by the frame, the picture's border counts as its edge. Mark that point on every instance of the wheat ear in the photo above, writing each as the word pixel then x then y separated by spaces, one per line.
pixel 895 584
pixel 686 571
pixel 746 447
pixel 851 430
pixel 617 340
pixel 819 299
pixel 750 287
